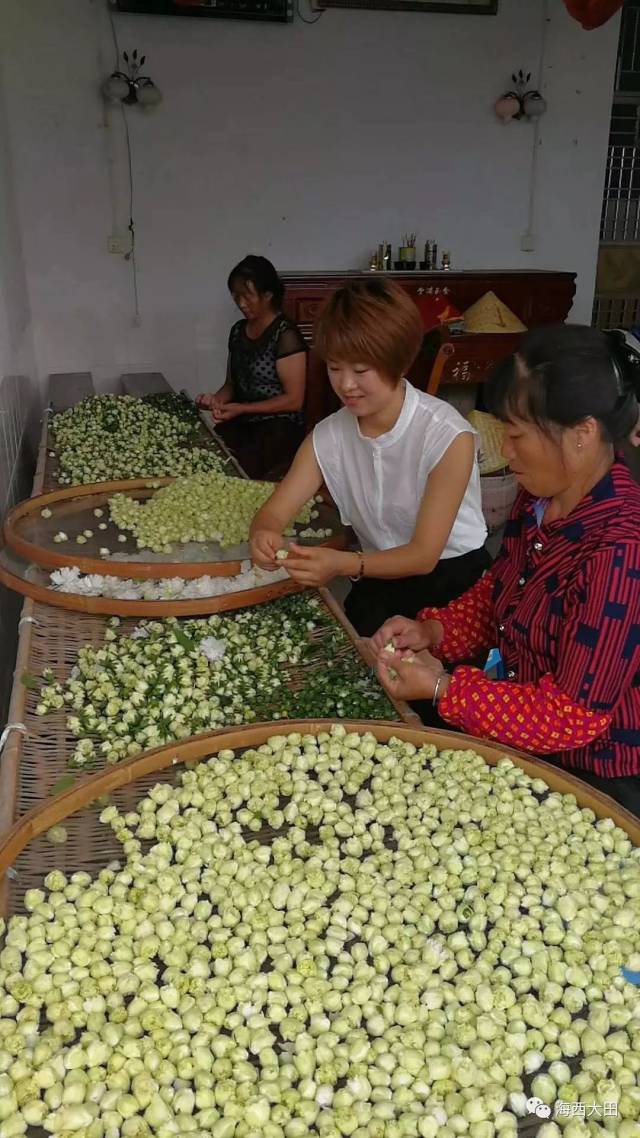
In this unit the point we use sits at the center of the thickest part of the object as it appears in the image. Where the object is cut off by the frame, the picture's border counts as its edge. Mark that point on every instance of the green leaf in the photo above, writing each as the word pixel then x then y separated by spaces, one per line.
pixel 184 641
pixel 29 681
pixel 63 783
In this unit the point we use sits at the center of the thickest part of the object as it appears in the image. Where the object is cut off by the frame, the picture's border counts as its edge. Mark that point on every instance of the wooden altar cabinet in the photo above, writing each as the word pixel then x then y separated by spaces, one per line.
pixel 536 297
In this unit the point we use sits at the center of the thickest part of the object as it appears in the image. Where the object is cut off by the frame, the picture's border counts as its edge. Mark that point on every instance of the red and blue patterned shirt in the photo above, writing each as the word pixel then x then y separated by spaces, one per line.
pixel 562 602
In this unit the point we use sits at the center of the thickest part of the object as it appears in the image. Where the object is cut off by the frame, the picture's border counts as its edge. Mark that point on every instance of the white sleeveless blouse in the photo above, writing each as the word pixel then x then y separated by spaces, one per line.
pixel 378 484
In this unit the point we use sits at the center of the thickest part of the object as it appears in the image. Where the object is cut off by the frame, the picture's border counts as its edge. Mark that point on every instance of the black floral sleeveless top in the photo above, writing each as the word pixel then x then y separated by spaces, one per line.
pixel 253 363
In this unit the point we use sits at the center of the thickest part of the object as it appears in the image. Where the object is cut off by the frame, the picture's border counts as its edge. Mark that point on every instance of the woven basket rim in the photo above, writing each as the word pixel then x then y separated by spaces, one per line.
pixel 112 606
pixel 52 559
pixel 69 802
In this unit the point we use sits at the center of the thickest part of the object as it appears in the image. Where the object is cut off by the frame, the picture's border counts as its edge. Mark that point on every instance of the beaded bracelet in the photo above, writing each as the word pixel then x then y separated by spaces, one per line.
pixel 361 570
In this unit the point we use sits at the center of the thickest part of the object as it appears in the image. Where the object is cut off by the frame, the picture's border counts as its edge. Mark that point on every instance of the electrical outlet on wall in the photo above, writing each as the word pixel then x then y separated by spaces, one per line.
pixel 120 245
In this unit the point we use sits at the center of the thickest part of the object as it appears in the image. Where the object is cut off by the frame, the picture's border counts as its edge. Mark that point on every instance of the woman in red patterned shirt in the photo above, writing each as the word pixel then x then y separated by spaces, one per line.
pixel 562 600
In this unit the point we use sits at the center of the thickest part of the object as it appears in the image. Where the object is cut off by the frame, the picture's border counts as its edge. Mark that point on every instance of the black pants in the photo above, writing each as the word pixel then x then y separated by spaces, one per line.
pixel 265 450
pixel 624 790
pixel 373 601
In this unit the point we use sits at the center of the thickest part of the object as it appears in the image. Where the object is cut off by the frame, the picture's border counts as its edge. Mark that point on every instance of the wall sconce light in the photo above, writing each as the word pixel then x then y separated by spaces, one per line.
pixel 521 102
pixel 130 86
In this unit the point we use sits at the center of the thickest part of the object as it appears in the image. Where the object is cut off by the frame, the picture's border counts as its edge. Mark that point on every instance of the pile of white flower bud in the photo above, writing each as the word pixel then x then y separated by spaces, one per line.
pixel 204 507
pixel 417 945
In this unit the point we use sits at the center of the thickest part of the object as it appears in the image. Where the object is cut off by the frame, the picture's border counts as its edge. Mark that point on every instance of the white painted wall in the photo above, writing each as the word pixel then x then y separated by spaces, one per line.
pixel 306 143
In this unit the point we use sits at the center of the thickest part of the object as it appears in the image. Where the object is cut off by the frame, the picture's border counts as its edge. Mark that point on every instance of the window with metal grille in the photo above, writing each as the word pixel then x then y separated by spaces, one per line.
pixel 620 208
pixel 616 311
pixel 628 69
pixel 620 219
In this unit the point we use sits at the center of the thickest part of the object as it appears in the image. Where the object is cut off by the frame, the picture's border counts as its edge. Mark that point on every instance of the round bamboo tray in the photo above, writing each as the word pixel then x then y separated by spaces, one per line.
pixel 90 845
pixel 26 855
pixel 204 437
pixel 31 536
pixel 35 765
pixel 38 590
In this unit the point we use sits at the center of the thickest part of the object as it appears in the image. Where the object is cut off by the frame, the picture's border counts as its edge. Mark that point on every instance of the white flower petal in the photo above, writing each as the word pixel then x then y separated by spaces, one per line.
pixel 213 649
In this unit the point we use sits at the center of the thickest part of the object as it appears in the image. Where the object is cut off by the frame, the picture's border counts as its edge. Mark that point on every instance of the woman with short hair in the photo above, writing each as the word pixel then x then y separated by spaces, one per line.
pixel 400 465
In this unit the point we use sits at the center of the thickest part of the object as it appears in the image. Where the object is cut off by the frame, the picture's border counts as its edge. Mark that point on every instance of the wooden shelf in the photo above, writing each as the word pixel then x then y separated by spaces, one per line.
pixel 535 297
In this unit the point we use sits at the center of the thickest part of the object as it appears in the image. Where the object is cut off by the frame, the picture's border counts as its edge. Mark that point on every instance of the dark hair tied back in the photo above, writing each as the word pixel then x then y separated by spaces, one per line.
pixel 259 272
pixel 625 354
pixel 625 361
pixel 565 373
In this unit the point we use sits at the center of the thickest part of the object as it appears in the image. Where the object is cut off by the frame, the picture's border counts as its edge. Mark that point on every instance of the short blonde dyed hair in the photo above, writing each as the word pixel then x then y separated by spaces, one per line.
pixel 371 322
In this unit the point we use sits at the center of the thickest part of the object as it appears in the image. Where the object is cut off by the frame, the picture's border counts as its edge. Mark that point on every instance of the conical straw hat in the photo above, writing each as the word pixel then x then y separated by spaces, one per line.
pixel 490 431
pixel 489 314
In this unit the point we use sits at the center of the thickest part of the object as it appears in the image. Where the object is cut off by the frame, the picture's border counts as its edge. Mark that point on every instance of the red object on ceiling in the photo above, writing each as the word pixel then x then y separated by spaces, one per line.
pixel 592 13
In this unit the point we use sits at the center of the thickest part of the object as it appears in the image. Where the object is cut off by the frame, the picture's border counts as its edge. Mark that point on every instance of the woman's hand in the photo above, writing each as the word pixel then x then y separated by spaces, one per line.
pixel 407 677
pixel 223 412
pixel 213 402
pixel 313 565
pixel 634 437
pixel 415 635
pixel 265 544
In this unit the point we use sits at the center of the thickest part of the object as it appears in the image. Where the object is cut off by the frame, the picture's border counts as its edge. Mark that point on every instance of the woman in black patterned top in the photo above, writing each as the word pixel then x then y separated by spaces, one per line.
pixel 258 410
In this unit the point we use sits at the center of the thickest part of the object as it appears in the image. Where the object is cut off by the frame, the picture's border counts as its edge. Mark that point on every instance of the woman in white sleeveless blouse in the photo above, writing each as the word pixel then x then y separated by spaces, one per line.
pixel 399 464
